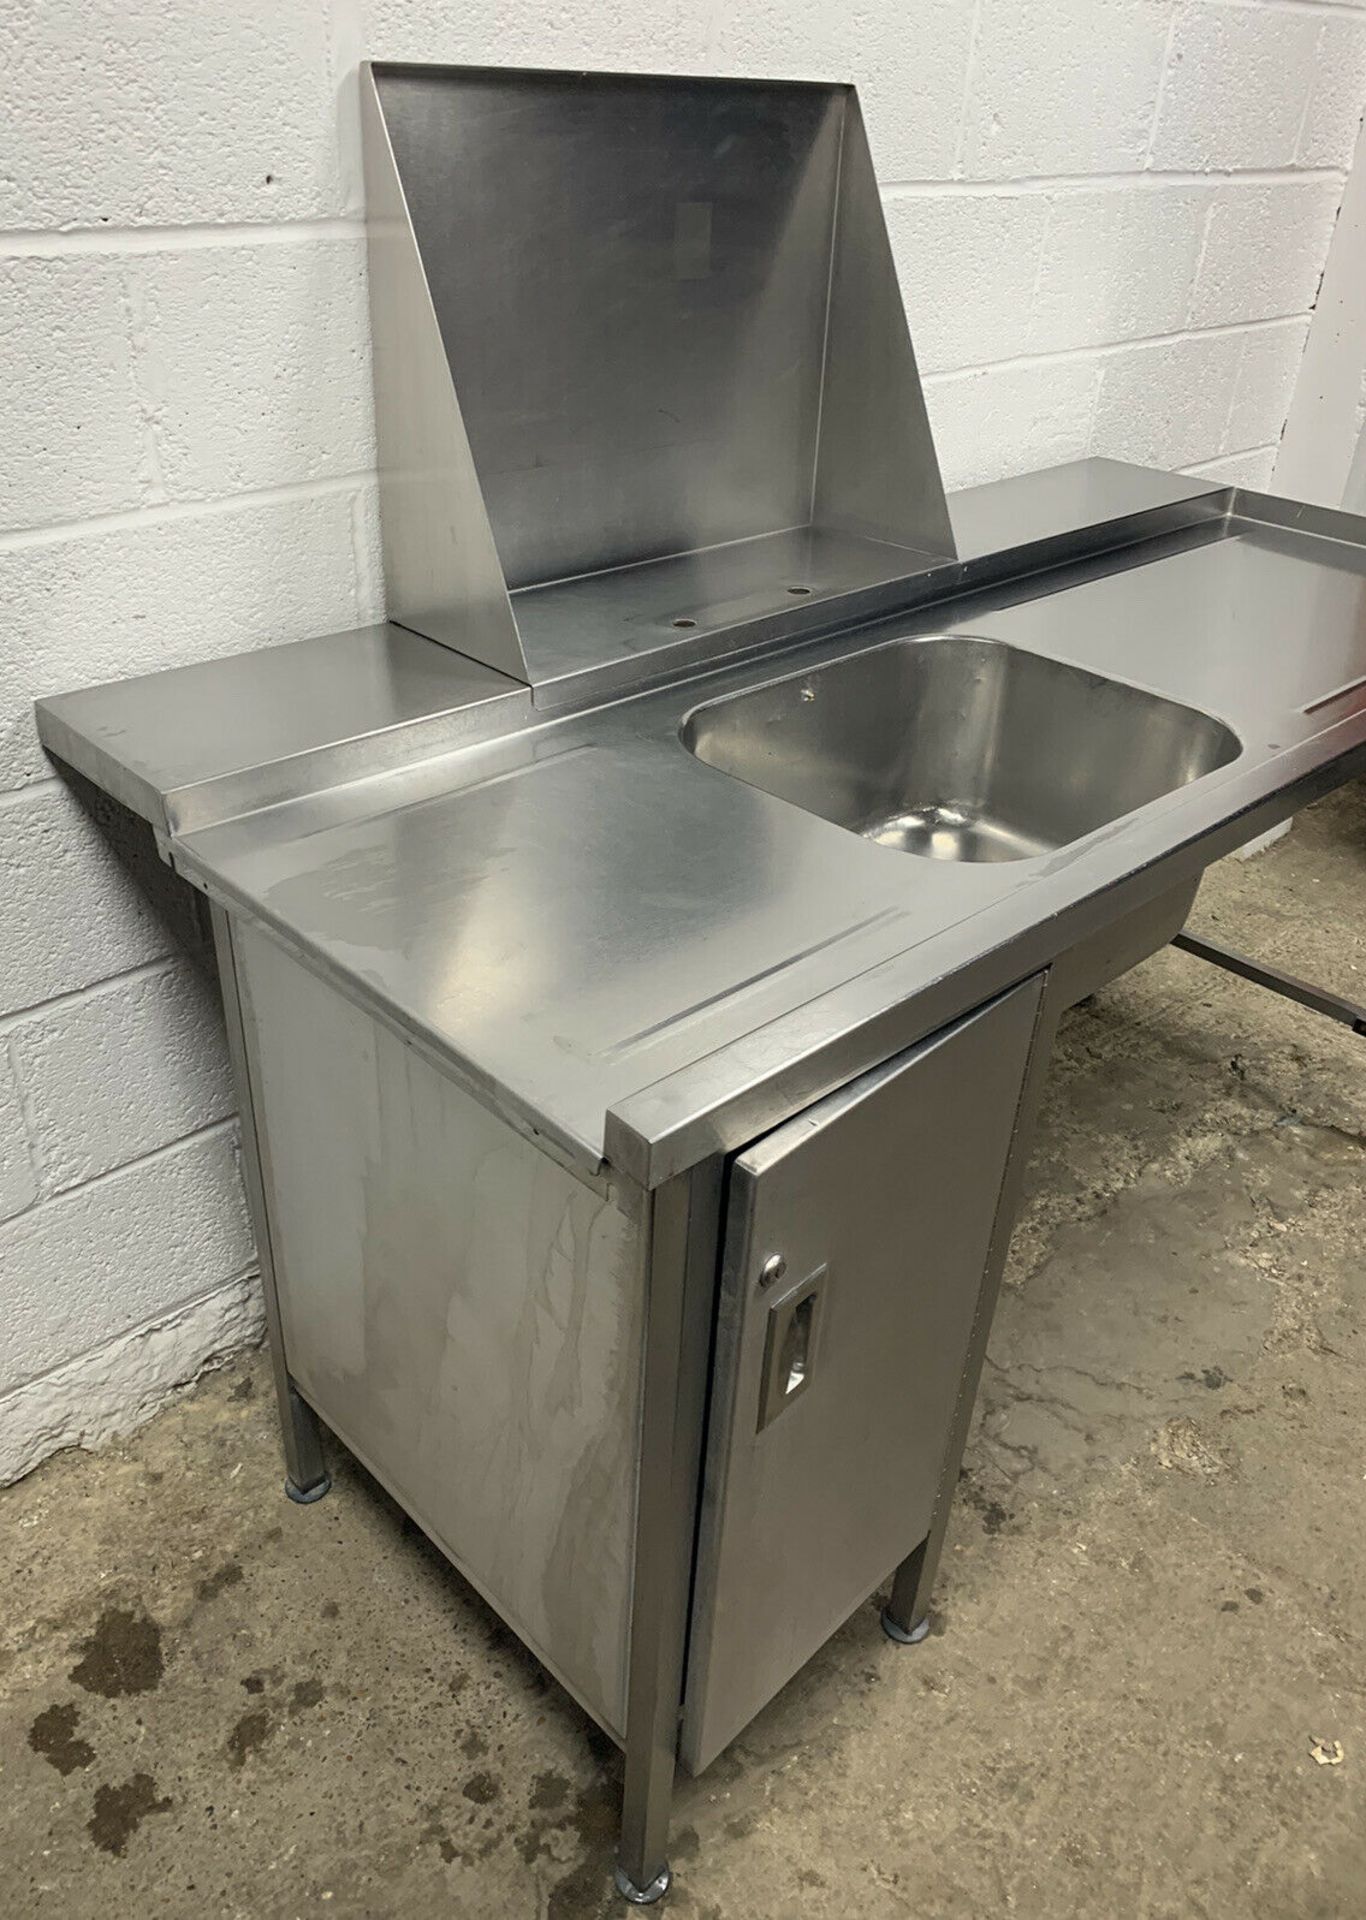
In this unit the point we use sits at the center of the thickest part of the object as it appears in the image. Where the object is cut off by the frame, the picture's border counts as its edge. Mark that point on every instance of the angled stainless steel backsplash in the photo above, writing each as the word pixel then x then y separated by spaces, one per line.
pixel 644 331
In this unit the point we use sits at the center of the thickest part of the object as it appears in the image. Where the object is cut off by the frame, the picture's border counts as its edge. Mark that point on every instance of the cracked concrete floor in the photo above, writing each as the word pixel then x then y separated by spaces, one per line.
pixel 1152 1603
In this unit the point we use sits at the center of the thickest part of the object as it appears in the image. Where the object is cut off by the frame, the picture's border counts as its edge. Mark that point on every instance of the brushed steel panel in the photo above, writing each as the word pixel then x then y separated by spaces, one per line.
pixel 885 1194
pixel 877 473
pixel 620 319
pixel 441 569
pixel 187 746
pixel 465 1312
pixel 630 276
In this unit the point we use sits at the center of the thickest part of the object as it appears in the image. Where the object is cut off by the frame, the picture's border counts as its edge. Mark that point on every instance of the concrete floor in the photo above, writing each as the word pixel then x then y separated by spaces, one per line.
pixel 1152 1605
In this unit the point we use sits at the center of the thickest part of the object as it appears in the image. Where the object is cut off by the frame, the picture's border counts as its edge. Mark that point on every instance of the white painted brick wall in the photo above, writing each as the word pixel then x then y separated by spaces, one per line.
pixel 111 1075
pixel 1110 218
pixel 89 1264
pixel 163 588
pixel 18 1180
pixel 254 364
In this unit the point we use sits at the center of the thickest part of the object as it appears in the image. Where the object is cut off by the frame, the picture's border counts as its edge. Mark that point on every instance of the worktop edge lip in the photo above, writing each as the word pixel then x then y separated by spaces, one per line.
pixel 656 1152
pixel 578 1153
pixel 650 1153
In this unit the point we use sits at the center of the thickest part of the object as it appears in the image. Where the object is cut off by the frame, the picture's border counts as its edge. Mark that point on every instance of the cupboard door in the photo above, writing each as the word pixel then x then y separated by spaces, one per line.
pixel 854 1244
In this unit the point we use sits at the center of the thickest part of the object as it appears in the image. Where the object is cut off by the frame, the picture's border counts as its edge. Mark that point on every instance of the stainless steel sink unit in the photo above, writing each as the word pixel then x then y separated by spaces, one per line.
pixel 959 748
pixel 632 1140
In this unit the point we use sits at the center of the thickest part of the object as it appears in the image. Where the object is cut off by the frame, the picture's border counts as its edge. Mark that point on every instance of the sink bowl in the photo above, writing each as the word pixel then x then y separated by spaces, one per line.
pixel 958 747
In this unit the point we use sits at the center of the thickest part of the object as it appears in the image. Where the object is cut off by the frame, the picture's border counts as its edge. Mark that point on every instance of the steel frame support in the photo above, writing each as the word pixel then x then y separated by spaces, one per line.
pixel 906 1616
pixel 306 1477
pixel 680 1312
pixel 1333 1006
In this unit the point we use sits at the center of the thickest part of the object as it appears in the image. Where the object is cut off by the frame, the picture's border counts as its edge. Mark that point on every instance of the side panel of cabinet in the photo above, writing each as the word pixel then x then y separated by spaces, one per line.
pixel 836 1377
pixel 466 1314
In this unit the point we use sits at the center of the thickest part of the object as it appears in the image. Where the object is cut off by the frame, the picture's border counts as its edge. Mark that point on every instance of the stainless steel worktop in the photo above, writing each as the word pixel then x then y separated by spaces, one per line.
pixel 615 1063
pixel 193 744
pixel 636 957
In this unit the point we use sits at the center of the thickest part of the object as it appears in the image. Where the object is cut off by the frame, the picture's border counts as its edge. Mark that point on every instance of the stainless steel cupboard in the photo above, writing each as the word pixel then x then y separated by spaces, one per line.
pixel 674 1438
pixel 855 1241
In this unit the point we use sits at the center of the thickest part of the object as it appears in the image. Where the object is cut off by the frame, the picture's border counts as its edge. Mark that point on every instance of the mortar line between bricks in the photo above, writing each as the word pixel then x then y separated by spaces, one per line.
pixel 245 1276
pixel 53 532
pixel 56 242
pixel 26 1120
pixel 1145 180
pixel 1110 348
pixel 1206 225
pixel 1310 91
pixel 16 539
pixel 139 328
pixel 40 242
pixel 40 1009
pixel 61 1195
pixel 969 75
pixel 1234 388
pixel 1161 94
pixel 29 1118
pixel 345 41
pixel 1234 453
pixel 14 796
pixel 35 1010
pixel 369 591
pixel 1329 9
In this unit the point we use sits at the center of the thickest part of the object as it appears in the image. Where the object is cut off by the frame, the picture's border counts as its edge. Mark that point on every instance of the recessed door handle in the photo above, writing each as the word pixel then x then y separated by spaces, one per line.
pixel 790 1346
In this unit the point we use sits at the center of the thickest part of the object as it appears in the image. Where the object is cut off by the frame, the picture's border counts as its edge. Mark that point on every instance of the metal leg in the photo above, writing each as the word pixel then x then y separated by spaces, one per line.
pixel 1318 999
pixel 306 1477
pixel 906 1617
pixel 679 1312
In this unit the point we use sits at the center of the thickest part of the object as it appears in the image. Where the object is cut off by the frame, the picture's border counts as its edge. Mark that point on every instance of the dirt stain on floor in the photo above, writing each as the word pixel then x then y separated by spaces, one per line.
pixel 305 1694
pixel 228 1575
pixel 123 1655
pixel 1178 1225
pixel 120 1811
pixel 251 1733
pixel 549 1790
pixel 53 1734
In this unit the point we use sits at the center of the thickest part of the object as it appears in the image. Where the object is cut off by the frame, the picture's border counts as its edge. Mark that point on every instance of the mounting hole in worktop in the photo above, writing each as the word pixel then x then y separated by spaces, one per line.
pixel 685 623
pixel 799 590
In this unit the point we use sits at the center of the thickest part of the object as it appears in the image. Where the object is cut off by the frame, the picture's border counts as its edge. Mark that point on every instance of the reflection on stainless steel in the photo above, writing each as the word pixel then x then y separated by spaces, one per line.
pixel 884 1197
pixel 630 954
pixel 1267 620
pixel 633 1140
pixel 620 319
pixel 1062 504
pixel 485 947
pixel 464 1311
pixel 190 745
pixel 442 572
pixel 611 633
pixel 959 748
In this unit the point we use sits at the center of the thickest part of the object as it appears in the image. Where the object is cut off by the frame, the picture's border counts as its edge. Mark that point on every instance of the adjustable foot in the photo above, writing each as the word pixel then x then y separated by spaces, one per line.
pixel 643 1896
pixel 305 1496
pixel 895 1631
